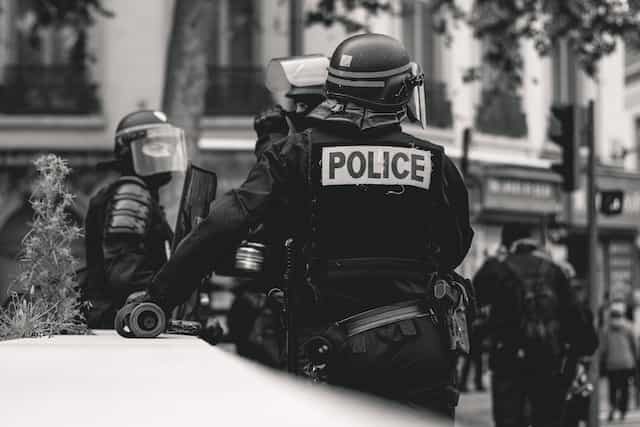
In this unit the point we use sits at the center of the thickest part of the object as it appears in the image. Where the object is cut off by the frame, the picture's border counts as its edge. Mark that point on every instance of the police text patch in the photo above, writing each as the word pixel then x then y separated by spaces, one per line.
pixel 378 165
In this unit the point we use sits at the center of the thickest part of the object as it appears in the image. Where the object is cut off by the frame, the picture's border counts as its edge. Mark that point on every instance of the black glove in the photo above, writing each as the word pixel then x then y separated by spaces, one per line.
pixel 139 297
pixel 271 120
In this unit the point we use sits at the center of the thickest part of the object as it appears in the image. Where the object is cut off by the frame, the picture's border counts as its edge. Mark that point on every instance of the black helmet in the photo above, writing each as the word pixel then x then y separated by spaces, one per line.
pixel 374 71
pixel 132 126
pixel 147 144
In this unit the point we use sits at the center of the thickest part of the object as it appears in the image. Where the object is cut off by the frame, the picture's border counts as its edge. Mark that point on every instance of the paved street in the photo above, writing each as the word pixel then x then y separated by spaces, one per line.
pixel 475 410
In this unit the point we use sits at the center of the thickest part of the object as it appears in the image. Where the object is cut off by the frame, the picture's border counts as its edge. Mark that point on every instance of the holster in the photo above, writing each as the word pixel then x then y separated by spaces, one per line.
pixel 451 300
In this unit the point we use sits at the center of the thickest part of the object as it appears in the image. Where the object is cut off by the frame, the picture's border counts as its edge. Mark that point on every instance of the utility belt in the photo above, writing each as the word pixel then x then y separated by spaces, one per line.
pixel 445 305
pixel 446 302
pixel 382 316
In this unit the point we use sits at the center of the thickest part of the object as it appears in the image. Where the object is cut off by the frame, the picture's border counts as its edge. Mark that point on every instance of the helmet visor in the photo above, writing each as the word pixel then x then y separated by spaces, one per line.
pixel 284 74
pixel 162 149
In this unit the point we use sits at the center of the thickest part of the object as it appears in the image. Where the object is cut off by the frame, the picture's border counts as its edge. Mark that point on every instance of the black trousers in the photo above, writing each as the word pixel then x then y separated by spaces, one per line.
pixel 619 389
pixel 407 362
pixel 512 390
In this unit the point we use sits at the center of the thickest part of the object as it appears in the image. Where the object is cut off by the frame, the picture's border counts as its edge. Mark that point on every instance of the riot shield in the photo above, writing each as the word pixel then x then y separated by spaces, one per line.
pixel 198 192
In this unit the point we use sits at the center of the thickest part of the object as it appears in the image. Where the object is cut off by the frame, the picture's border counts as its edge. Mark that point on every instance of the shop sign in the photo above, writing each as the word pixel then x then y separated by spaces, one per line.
pixel 523 195
pixel 629 216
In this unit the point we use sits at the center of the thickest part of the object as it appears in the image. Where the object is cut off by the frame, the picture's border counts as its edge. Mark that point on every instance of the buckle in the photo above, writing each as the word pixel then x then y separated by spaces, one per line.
pixel 440 288
pixel 454 292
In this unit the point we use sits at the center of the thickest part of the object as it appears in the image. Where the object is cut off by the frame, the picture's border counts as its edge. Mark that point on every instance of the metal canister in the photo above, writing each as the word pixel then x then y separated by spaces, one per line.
pixel 250 257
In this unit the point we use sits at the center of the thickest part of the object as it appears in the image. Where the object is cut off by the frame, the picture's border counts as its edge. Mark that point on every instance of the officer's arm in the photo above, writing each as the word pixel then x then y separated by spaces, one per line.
pixel 229 221
pixel 455 234
pixel 127 223
pixel 271 126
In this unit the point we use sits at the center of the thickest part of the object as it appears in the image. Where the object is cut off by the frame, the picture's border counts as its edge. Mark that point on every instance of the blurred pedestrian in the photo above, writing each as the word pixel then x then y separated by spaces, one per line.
pixel 578 396
pixel 619 359
pixel 636 334
pixel 535 327
pixel 475 356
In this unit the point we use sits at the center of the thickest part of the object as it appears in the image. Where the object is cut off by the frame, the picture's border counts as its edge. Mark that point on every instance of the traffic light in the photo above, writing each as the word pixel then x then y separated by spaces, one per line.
pixel 562 132
pixel 611 202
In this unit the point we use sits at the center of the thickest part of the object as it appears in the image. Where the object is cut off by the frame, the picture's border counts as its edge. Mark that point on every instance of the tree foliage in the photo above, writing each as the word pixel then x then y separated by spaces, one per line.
pixel 592 28
pixel 78 15
pixel 45 299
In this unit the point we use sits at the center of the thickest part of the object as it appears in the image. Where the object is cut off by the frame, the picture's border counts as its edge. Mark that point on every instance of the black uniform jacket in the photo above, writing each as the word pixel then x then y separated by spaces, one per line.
pixel 277 189
pixel 126 234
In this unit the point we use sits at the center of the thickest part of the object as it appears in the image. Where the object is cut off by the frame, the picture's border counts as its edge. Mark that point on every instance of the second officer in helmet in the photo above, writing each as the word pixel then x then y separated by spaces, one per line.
pixel 126 230
pixel 377 214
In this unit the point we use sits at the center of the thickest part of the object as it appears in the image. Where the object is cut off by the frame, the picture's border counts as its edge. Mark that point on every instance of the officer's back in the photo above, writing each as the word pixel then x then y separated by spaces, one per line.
pixel 377 213
pixel 380 217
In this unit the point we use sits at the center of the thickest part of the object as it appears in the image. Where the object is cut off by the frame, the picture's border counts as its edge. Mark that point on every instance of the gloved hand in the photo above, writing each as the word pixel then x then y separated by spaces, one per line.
pixel 272 120
pixel 139 297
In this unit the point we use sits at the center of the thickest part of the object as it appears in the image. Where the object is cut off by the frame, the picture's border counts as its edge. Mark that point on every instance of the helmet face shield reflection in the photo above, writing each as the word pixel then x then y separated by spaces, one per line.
pixel 417 106
pixel 162 149
pixel 296 72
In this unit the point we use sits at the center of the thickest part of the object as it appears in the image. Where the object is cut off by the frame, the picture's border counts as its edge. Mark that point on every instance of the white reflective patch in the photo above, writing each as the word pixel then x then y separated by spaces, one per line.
pixel 160 115
pixel 345 60
pixel 377 165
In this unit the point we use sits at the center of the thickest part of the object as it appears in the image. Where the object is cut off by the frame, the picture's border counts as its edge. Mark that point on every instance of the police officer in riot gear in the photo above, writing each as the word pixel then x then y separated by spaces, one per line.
pixel 301 79
pixel 255 317
pixel 380 219
pixel 126 230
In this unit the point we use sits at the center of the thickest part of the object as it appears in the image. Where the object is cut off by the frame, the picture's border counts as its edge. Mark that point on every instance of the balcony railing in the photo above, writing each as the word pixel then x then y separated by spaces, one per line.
pixel 501 114
pixel 236 91
pixel 438 106
pixel 57 89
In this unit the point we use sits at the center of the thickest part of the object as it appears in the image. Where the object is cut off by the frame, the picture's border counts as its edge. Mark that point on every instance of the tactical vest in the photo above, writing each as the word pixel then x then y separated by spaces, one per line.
pixel 96 289
pixel 375 201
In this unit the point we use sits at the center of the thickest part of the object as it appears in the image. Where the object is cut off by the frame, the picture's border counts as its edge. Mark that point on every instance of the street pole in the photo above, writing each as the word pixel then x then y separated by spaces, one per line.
pixel 295 27
pixel 594 286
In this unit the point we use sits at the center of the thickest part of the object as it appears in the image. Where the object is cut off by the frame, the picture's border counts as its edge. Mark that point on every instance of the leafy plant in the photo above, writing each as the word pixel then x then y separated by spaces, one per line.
pixel 45 298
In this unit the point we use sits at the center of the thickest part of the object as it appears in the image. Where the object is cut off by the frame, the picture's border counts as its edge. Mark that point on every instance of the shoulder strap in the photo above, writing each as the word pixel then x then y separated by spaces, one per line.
pixel 130 208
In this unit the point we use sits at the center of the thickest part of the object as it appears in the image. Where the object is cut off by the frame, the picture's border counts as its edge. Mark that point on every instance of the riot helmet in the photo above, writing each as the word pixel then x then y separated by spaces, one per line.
pixel 147 143
pixel 376 72
pixel 299 78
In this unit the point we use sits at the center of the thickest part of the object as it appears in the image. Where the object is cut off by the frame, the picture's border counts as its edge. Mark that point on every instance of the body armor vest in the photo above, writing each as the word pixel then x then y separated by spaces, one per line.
pixel 374 203
pixel 97 290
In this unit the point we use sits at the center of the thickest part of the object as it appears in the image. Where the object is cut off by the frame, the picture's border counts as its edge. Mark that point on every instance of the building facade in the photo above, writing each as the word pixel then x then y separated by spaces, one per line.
pixel 48 104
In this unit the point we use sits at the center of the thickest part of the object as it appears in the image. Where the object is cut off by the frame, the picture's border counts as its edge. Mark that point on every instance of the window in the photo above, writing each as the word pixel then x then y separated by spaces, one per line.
pixel 426 47
pixel 236 78
pixel 499 112
pixel 632 62
pixel 43 72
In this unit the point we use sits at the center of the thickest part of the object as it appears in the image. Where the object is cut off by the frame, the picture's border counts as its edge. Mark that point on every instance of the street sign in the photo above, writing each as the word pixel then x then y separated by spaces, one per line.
pixel 611 202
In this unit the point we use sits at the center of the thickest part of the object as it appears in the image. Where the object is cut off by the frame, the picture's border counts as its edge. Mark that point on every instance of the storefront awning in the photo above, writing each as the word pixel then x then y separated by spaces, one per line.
pixel 507 193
